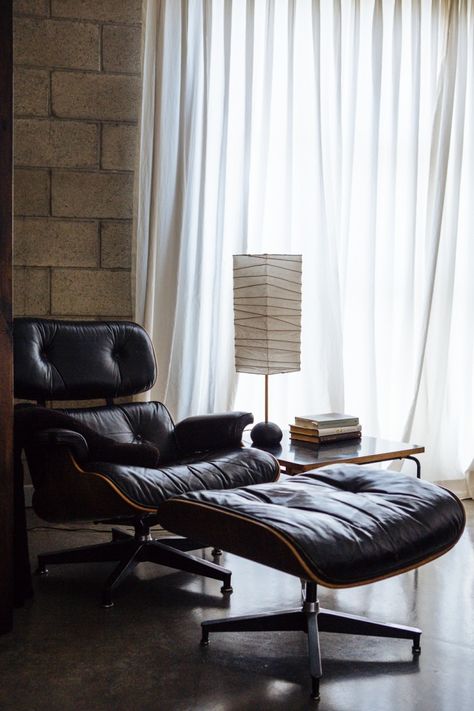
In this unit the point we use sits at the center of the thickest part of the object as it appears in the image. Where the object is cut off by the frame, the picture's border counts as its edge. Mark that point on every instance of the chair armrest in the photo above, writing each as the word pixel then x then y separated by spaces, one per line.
pixel 100 448
pixel 55 436
pixel 205 432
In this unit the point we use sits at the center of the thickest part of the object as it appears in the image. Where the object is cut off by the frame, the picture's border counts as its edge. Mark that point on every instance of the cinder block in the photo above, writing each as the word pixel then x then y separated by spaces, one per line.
pixel 57 144
pixel 44 242
pixel 118 146
pixel 89 292
pixel 86 194
pixel 107 10
pixel 56 43
pixel 31 296
pixel 112 97
pixel 31 91
pixel 31 7
pixel 31 192
pixel 121 48
pixel 116 244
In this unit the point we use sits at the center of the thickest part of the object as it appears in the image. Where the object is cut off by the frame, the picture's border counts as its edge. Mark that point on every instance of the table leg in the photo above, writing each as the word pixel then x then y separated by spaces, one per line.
pixel 418 465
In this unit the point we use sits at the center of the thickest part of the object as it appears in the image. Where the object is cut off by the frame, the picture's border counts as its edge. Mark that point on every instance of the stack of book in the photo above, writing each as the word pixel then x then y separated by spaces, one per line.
pixel 328 427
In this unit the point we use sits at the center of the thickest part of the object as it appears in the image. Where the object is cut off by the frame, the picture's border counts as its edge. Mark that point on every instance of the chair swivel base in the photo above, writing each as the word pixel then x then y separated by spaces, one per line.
pixel 131 550
pixel 312 619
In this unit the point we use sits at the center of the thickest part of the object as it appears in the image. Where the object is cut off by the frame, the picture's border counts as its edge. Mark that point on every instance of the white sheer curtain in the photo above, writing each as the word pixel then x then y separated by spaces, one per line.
pixel 342 130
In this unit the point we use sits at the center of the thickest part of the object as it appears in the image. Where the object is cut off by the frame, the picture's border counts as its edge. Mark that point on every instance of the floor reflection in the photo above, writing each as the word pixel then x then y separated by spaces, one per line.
pixel 143 654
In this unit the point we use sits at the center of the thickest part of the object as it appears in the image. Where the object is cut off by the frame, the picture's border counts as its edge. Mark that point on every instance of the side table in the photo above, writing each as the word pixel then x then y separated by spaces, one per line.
pixel 301 457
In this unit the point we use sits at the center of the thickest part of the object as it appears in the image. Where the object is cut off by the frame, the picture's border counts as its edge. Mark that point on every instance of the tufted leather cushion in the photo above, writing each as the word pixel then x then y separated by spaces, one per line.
pixel 131 423
pixel 340 526
pixel 150 487
pixel 200 433
pixel 52 428
pixel 67 360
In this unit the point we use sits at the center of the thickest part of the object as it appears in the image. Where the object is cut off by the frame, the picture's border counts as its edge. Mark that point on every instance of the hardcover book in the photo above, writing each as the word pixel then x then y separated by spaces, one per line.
pixel 328 419
pixel 316 439
pixel 323 431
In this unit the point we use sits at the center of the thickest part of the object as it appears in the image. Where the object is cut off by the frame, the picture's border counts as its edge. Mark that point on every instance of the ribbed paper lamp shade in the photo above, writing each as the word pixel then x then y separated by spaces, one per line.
pixel 267 313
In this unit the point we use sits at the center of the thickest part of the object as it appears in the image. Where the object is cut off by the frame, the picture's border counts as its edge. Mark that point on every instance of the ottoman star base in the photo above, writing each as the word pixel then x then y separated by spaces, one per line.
pixel 312 619
pixel 341 526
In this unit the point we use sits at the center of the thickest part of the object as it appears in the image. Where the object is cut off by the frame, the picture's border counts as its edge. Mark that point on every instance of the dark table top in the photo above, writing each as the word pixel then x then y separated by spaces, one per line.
pixel 303 456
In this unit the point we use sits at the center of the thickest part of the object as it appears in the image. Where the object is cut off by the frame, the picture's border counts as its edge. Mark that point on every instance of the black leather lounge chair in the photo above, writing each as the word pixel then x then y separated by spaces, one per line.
pixel 118 462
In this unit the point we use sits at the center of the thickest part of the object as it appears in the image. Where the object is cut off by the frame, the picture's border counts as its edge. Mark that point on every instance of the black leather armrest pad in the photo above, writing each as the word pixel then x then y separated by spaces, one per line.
pixel 31 422
pixel 204 432
pixel 56 437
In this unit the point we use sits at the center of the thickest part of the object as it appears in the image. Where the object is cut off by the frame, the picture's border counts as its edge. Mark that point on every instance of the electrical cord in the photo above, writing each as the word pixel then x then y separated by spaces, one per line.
pixel 72 530
pixel 61 528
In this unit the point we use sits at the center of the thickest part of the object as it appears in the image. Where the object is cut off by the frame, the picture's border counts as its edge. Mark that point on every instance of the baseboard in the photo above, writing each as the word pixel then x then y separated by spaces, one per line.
pixel 28 494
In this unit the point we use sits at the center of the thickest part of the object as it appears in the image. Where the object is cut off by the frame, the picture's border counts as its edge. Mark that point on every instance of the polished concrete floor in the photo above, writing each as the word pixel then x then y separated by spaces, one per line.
pixel 142 655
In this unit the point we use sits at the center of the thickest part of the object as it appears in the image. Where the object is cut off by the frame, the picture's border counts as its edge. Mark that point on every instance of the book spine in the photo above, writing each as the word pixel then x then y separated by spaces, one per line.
pixel 305 424
pixel 340 437
pixel 337 430
pixel 315 439
pixel 350 422
pixel 315 425
pixel 294 429
pixel 323 432
pixel 302 438
pixel 308 435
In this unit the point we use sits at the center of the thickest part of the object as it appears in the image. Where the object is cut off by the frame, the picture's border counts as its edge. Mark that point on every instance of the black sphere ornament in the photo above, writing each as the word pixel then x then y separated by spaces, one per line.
pixel 266 434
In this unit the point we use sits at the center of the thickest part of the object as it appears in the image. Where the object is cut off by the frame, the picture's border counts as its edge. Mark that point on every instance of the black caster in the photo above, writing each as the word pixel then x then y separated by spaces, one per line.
pixel 315 689
pixel 416 649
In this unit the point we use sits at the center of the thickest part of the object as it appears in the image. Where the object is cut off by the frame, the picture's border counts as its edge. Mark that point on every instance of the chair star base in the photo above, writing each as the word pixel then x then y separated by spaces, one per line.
pixel 130 550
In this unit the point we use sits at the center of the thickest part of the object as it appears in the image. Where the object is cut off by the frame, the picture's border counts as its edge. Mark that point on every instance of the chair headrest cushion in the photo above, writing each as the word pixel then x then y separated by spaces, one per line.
pixel 81 360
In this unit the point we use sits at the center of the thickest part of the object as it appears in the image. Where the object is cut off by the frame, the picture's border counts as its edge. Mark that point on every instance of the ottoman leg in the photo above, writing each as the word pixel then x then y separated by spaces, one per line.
pixel 287 620
pixel 331 621
pixel 304 619
pixel 311 612
pixel 314 654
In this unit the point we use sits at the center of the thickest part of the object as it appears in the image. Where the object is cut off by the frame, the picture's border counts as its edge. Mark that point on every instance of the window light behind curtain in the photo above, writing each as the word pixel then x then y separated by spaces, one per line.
pixel 342 130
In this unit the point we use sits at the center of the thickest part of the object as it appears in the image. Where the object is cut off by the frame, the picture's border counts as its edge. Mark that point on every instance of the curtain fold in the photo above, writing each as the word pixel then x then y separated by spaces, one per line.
pixel 342 131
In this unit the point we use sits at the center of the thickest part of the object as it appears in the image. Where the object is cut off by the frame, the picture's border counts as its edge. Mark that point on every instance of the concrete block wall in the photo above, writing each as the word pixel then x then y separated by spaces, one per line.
pixel 77 97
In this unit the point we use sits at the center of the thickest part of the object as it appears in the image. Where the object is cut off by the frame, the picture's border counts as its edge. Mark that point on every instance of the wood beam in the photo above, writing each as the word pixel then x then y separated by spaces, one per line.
pixel 6 357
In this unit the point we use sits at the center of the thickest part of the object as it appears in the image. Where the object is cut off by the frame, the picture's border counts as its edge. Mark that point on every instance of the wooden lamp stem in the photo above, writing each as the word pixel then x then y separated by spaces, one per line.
pixel 266 398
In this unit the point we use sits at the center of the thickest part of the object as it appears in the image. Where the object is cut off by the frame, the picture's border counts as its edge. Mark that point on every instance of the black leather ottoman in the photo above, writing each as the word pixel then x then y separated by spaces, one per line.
pixel 340 526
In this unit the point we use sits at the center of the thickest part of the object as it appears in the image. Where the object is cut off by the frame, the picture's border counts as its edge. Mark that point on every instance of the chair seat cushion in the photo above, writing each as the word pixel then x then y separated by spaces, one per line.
pixel 149 487
pixel 340 526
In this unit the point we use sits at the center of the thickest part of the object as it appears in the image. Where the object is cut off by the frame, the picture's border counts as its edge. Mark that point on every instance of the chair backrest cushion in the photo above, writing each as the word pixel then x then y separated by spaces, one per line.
pixel 81 360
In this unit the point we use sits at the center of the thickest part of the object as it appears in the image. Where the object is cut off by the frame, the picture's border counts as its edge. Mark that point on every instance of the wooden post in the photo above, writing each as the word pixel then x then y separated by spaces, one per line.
pixel 266 398
pixel 6 372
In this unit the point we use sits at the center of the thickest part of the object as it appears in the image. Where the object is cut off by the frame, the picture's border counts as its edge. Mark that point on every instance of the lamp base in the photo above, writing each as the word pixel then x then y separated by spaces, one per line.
pixel 266 434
